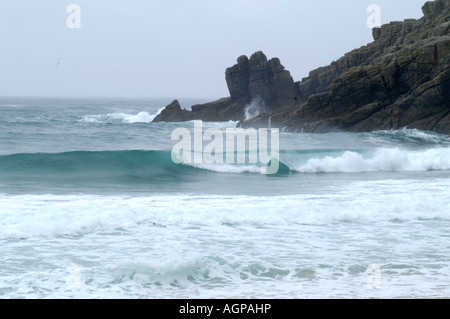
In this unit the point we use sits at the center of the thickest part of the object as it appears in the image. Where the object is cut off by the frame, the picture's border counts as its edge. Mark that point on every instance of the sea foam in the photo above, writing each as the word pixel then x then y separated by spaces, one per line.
pixel 24 216
pixel 383 159
pixel 140 117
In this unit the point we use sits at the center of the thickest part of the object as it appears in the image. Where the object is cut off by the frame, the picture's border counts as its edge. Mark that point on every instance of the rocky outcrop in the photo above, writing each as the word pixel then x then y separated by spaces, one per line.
pixel 249 79
pixel 262 79
pixel 401 79
pixel 208 112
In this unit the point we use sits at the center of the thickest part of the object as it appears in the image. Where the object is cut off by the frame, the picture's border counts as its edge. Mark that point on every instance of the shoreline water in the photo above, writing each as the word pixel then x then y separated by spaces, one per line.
pixel 96 209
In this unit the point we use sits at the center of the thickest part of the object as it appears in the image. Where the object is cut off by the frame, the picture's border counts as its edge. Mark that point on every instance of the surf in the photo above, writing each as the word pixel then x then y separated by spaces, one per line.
pixel 159 163
pixel 380 160
pixel 119 117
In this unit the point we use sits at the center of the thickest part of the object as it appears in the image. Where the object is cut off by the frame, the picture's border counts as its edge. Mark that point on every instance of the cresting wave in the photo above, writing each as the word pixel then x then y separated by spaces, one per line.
pixel 154 164
pixel 382 160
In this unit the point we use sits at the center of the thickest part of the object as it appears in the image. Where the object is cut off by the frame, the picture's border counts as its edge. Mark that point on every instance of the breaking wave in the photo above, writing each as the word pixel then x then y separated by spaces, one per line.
pixel 141 117
pixel 384 159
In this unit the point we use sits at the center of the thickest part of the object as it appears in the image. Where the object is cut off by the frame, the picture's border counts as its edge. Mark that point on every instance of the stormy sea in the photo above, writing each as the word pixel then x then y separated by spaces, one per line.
pixel 92 205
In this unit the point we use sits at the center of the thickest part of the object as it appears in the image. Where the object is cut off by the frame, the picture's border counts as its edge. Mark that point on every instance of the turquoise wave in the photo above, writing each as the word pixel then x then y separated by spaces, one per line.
pixel 98 165
pixel 157 165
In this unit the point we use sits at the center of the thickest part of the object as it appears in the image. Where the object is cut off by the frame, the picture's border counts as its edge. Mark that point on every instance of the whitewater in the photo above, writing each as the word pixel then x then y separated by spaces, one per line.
pixel 92 206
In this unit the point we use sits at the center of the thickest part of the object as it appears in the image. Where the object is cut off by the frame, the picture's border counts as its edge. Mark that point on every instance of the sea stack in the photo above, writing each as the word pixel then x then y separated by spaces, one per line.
pixel 249 79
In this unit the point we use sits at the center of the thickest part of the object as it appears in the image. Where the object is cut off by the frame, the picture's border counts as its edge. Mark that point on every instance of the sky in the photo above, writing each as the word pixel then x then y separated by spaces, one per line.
pixel 172 48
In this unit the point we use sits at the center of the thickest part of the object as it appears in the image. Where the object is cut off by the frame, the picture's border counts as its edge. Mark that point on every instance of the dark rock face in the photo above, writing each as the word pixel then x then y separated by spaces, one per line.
pixel 260 78
pixel 208 112
pixel 402 79
pixel 433 9
pixel 237 78
pixel 249 79
pixel 172 113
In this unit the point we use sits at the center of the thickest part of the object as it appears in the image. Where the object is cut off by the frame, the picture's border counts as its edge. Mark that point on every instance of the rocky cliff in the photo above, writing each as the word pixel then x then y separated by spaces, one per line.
pixel 401 79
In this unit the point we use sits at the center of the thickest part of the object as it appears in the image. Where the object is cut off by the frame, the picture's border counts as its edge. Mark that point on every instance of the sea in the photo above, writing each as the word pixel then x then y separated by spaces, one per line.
pixel 92 205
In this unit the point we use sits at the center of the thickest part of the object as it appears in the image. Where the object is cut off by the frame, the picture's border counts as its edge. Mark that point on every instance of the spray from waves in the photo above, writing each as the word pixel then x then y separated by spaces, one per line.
pixel 384 160
pixel 255 108
pixel 141 117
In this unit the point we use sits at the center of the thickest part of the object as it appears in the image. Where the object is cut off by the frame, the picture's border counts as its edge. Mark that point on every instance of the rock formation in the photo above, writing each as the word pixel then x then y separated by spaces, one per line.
pixel 249 79
pixel 401 79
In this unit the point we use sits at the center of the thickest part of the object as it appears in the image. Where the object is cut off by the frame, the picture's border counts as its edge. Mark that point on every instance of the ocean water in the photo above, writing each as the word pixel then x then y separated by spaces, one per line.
pixel 92 206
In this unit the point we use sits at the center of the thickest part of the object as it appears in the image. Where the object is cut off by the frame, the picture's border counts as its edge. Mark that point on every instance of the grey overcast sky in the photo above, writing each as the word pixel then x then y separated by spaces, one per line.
pixel 172 48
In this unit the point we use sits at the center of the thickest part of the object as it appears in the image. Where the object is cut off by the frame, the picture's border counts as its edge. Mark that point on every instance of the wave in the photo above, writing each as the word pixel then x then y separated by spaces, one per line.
pixel 131 163
pixel 406 137
pixel 141 117
pixel 228 168
pixel 382 160
pixel 388 201
pixel 157 165
pixel 101 164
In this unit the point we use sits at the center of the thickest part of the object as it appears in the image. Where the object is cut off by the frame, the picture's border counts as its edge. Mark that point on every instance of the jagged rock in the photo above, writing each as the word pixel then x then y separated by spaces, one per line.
pixel 402 79
pixel 271 82
pixel 433 9
pixel 249 79
pixel 172 113
pixel 208 112
pixel 237 78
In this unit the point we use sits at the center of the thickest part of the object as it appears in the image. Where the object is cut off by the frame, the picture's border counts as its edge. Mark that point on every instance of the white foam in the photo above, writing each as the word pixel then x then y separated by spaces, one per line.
pixel 384 159
pixel 53 215
pixel 180 246
pixel 141 117
pixel 229 168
